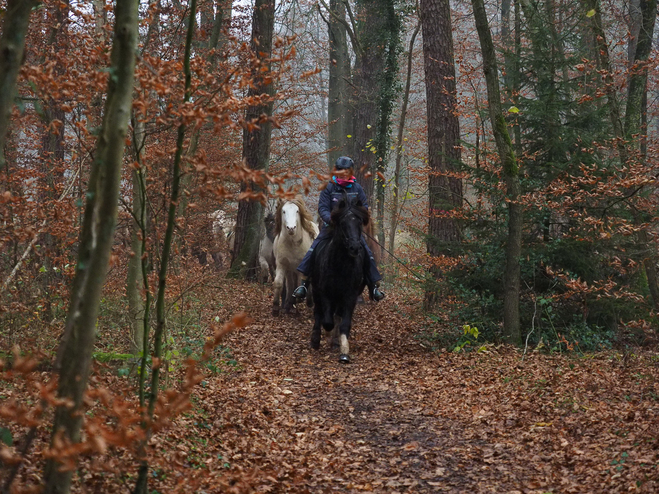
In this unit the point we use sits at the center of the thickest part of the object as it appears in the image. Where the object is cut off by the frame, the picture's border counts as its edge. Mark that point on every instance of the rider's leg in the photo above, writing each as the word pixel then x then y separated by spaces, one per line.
pixel 372 276
pixel 305 268
pixel 301 291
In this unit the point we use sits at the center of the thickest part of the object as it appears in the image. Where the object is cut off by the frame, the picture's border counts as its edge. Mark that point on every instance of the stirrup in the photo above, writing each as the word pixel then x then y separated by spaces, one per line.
pixel 376 294
pixel 300 291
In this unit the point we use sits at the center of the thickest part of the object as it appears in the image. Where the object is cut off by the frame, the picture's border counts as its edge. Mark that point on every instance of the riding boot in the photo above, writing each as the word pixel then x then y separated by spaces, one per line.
pixel 375 293
pixel 301 291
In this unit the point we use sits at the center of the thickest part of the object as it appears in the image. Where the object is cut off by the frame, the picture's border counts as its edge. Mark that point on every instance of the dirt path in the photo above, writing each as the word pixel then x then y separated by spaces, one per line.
pixel 402 419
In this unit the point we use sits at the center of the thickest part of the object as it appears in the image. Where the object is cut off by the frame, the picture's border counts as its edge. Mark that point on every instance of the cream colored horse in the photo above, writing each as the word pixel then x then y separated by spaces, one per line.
pixel 294 232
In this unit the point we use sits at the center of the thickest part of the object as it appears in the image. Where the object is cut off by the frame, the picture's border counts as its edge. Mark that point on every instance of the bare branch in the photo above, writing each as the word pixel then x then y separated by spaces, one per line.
pixel 351 31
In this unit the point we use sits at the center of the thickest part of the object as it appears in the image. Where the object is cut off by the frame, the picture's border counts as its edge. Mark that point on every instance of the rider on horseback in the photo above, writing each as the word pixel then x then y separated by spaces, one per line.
pixel 342 182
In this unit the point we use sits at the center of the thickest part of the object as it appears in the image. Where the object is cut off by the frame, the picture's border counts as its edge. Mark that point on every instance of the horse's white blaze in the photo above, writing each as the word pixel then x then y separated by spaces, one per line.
pixel 291 216
pixel 345 347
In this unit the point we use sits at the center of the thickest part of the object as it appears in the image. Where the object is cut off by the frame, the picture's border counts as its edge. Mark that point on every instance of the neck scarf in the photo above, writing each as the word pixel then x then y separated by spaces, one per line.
pixel 344 182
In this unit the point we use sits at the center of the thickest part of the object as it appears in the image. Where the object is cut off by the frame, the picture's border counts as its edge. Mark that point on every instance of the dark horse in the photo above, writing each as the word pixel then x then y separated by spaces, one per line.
pixel 338 273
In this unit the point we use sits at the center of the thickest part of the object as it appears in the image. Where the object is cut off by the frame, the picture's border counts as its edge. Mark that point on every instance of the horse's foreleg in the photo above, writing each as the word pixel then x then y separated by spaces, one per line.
pixel 334 335
pixel 291 280
pixel 310 295
pixel 276 294
pixel 315 332
pixel 344 334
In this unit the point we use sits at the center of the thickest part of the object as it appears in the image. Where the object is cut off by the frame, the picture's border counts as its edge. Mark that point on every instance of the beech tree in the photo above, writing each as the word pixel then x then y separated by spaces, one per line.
pixel 256 143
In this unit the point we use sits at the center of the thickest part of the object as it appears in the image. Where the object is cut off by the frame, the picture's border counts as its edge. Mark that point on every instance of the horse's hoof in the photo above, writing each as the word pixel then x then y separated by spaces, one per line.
pixel 315 343
pixel 344 358
pixel 276 311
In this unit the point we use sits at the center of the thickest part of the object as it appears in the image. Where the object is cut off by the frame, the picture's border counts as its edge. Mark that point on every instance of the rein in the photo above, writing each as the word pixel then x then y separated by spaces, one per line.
pixel 420 278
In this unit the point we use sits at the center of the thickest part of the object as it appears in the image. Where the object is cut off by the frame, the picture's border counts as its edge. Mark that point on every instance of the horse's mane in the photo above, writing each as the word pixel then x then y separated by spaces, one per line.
pixel 305 216
pixel 358 208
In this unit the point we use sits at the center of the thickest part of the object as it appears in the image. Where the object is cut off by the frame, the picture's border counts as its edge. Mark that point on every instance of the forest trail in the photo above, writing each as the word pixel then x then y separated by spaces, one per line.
pixel 403 419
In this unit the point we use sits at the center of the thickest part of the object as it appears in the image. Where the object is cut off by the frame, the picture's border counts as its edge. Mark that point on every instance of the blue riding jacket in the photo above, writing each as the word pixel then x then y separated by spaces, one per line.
pixel 332 194
pixel 328 200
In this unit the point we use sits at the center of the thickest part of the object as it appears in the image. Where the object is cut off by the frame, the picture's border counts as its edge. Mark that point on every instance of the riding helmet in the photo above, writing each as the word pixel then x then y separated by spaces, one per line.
pixel 344 163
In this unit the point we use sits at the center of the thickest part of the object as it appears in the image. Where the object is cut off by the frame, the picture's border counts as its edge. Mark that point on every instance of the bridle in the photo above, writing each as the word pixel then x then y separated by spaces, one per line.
pixel 340 220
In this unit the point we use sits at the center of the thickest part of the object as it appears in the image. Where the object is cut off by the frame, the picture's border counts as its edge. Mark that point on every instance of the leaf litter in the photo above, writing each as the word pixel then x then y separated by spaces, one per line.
pixel 400 418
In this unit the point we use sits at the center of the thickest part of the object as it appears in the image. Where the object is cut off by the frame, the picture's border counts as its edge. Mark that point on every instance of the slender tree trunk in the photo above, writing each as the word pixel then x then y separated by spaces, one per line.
pixel 221 26
pixel 12 46
pixel 216 41
pixel 136 281
pixel 141 485
pixel 53 142
pixel 637 87
pixel 627 136
pixel 444 191
pixel 75 351
pixel 100 18
pixel 134 278
pixel 635 132
pixel 256 146
pixel 511 323
pixel 387 93
pixel 393 225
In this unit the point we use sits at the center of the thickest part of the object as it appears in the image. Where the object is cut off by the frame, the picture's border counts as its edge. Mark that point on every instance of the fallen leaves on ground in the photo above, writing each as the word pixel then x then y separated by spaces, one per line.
pixel 401 418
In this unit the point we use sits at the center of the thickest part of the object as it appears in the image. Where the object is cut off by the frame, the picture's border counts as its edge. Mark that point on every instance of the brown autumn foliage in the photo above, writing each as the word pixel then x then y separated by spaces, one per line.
pixel 261 412
pixel 269 415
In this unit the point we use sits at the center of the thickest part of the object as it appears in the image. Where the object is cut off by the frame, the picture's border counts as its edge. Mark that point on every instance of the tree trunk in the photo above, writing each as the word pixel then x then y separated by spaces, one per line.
pixel 364 117
pixel 100 18
pixel 393 225
pixel 339 69
pixel 627 137
pixel 637 87
pixel 75 351
pixel 387 92
pixel 444 191
pixel 136 281
pixel 134 276
pixel 256 146
pixel 12 46
pixel 218 29
pixel 141 484
pixel 368 74
pixel 639 52
pixel 511 323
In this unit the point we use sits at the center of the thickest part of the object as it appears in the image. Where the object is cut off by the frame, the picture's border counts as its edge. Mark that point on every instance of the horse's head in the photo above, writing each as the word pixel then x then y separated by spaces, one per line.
pixel 294 218
pixel 269 222
pixel 290 217
pixel 348 220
